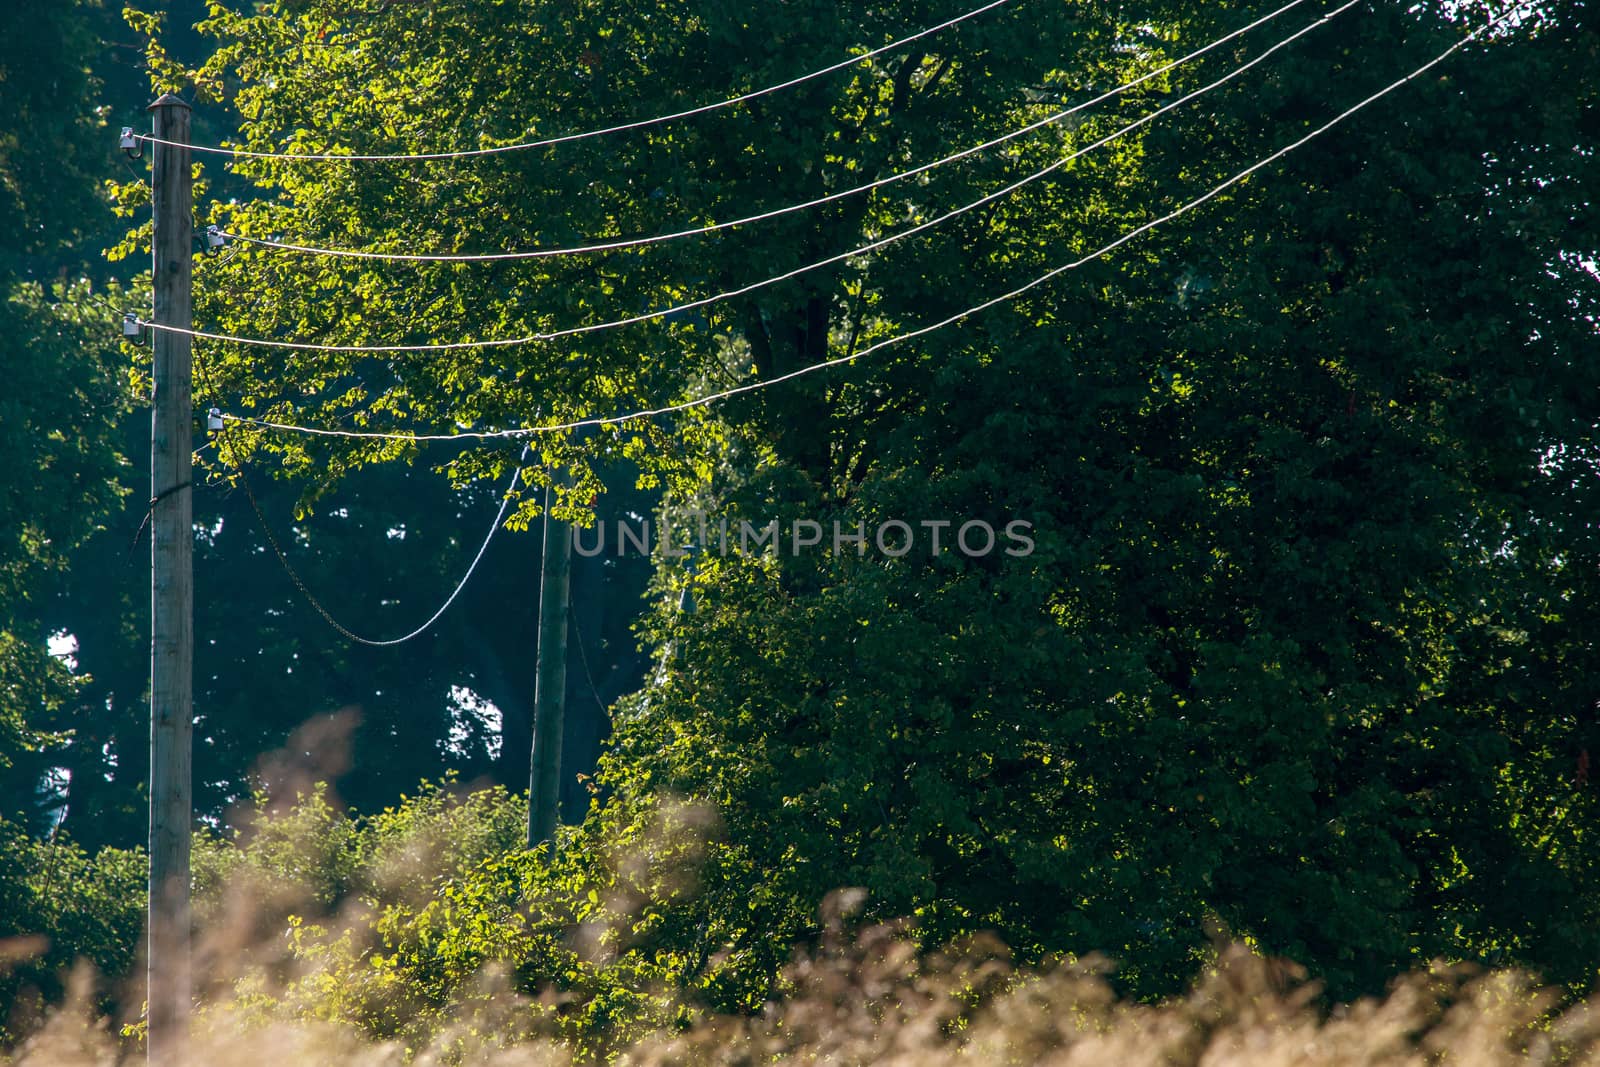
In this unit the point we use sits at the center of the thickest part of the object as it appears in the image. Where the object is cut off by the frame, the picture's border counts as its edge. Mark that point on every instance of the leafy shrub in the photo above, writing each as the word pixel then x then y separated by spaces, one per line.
pixel 426 934
pixel 59 906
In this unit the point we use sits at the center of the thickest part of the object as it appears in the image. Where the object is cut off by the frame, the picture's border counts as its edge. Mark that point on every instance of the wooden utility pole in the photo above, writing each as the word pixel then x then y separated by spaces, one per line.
pixel 171 587
pixel 550 685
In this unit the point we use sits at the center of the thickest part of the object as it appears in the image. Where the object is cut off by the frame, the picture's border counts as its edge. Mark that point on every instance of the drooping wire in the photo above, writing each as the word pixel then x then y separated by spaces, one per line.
pixel 300 583
pixel 959 316
pixel 763 216
pixel 339 627
pixel 340 157
pixel 872 246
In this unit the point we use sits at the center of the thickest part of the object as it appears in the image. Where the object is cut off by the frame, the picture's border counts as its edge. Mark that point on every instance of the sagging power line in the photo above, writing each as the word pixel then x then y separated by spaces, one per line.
pixel 219 428
pixel 327 616
pixel 620 244
pixel 841 257
pixel 546 142
pixel 959 316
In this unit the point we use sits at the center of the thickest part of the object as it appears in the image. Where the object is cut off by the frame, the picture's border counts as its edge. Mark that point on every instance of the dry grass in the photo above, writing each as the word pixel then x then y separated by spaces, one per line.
pixel 872 998
pixel 861 995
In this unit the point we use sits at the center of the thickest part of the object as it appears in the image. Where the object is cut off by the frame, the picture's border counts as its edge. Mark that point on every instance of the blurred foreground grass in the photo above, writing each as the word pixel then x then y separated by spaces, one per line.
pixel 425 935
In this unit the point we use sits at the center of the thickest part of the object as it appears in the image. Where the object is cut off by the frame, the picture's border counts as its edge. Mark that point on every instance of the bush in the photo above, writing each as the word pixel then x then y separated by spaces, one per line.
pixel 426 934
pixel 59 906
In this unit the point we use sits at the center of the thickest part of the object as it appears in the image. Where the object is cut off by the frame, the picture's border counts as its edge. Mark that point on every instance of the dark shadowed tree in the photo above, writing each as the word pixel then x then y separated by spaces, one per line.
pixel 1300 650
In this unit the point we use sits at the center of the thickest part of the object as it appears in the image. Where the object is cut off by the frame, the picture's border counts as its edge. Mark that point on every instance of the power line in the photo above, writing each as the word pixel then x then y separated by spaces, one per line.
pixel 798 271
pixel 339 157
pixel 294 576
pixel 327 616
pixel 763 216
pixel 939 220
pixel 750 387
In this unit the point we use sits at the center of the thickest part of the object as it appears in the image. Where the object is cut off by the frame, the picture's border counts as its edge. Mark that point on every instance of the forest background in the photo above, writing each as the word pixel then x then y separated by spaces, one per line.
pixel 1307 654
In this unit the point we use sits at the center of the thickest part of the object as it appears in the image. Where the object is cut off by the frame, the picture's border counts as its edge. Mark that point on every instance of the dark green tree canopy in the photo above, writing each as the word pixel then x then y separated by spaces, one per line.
pixel 1305 647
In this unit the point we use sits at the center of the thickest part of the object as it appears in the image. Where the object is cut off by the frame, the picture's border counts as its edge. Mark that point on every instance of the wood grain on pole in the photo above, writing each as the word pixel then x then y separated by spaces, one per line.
pixel 171 588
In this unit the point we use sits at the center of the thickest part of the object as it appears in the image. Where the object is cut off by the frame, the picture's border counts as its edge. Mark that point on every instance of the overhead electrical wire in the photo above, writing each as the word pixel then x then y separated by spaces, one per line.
pixel 201 367
pixel 305 590
pixel 327 616
pixel 939 220
pixel 762 216
pixel 790 274
pixel 401 157
pixel 1055 272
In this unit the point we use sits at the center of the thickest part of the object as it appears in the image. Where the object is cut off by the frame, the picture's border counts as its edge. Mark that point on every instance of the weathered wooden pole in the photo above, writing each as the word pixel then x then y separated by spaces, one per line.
pixel 550 685
pixel 171 587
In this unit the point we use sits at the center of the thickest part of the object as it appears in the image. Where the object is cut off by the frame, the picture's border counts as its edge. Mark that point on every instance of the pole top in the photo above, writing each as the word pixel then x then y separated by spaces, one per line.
pixel 169 100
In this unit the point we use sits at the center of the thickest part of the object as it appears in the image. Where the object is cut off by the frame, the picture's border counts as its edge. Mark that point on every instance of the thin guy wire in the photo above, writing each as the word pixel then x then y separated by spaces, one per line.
pixel 787 275
pixel 583 657
pixel 750 387
pixel 716 227
pixel 338 157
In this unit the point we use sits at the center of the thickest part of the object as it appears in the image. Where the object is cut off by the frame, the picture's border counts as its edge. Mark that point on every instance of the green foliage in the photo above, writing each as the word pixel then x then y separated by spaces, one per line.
pixel 1305 649
pixel 64 385
pixel 1245 678
pixel 58 410
pixel 50 156
pixel 57 420
pixel 326 855
pixel 1268 668
pixel 398 924
pixel 63 906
